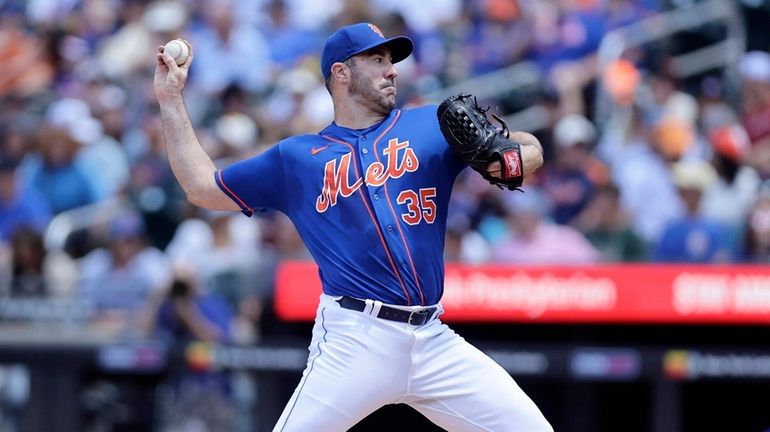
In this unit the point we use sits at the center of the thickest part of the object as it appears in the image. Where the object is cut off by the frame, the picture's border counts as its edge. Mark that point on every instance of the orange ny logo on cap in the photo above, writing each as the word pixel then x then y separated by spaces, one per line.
pixel 376 30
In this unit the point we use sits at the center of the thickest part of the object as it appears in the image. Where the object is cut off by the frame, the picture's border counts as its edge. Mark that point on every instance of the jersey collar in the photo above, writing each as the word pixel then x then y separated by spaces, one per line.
pixel 352 135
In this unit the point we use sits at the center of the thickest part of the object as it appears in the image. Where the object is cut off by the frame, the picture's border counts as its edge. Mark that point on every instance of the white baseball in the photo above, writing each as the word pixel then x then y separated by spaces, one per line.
pixel 178 50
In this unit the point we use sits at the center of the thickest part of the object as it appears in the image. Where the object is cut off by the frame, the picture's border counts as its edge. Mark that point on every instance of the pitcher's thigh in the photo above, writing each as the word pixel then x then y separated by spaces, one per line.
pixel 352 370
pixel 470 392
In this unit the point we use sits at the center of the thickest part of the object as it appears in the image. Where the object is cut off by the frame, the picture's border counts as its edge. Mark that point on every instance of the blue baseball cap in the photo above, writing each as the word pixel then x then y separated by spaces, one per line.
pixel 357 38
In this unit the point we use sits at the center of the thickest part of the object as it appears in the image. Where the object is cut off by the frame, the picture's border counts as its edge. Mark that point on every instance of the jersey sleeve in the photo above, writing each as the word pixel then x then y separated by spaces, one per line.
pixel 257 183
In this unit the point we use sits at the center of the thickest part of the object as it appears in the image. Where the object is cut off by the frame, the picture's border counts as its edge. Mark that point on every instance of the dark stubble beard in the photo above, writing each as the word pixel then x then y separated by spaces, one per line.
pixel 365 93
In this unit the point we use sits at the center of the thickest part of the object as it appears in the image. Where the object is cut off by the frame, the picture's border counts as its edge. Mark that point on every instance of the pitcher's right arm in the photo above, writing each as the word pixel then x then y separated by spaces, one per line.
pixel 192 167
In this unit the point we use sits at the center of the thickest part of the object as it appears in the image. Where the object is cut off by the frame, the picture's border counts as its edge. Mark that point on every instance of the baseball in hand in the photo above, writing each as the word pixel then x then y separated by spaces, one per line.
pixel 178 50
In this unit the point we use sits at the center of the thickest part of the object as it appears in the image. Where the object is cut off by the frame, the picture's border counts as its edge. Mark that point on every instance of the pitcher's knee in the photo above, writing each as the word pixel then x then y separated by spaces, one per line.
pixel 523 416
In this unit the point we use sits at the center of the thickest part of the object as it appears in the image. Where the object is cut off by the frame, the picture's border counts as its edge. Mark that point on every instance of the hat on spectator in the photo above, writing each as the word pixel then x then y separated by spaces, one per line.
pixel 621 79
pixel 165 16
pixel 573 129
pixel 357 38
pixel 673 137
pixel 731 141
pixel 503 10
pixel 74 117
pixel 693 174
pixel 682 107
pixel 755 66
pixel 237 130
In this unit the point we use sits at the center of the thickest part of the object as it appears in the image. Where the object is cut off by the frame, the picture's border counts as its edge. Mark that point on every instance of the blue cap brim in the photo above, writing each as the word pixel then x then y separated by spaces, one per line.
pixel 400 48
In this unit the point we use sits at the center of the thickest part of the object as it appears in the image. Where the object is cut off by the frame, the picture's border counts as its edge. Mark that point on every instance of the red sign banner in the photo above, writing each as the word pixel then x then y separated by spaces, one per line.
pixel 624 293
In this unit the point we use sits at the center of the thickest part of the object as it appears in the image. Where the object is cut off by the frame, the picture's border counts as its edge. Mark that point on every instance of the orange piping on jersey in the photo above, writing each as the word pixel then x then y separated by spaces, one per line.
pixel 392 210
pixel 374 220
pixel 240 201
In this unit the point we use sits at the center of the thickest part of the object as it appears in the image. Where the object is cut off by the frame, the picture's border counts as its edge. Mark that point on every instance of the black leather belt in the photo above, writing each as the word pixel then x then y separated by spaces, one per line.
pixel 415 318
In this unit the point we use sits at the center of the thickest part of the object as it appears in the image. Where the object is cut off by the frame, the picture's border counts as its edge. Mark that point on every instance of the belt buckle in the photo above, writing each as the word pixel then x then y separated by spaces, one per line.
pixel 409 321
pixel 419 312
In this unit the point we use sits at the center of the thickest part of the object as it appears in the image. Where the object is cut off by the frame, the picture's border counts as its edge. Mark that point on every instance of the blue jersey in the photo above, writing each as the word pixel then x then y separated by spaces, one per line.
pixel 370 204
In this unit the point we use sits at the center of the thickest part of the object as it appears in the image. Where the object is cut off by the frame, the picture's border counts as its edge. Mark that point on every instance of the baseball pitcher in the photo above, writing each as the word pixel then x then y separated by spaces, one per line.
pixel 368 195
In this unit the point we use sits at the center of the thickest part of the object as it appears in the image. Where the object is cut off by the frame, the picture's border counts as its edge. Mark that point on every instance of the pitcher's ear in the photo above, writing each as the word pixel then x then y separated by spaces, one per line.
pixel 341 72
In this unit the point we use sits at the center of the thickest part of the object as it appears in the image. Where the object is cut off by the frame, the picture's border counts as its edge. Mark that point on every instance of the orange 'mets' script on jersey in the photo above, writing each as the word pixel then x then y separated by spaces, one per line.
pixel 336 180
pixel 314 151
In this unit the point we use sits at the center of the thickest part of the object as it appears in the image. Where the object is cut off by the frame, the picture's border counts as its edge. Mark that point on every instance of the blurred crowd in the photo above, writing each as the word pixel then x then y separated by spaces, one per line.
pixel 679 171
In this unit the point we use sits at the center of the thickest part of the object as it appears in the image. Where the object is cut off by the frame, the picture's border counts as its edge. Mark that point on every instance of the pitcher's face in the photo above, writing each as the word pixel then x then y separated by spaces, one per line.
pixel 373 80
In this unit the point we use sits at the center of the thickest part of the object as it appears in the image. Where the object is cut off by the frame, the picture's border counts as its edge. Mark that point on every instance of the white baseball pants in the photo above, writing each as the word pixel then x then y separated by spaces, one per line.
pixel 358 363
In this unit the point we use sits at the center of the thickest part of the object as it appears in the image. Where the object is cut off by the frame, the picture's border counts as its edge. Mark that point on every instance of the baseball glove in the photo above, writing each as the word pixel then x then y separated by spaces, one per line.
pixel 466 128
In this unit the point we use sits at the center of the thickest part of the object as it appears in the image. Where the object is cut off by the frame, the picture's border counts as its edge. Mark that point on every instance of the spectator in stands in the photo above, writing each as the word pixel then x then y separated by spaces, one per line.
pixel 289 43
pixel 533 239
pixel 18 128
pixel 152 188
pixel 667 101
pixel 27 276
pixel 693 237
pixel 33 264
pixel 567 180
pixel 566 36
pixel 420 17
pixel 757 241
pixel 464 244
pixel 220 38
pixel 123 278
pixel 730 198
pixel 24 55
pixel 715 109
pixel 20 205
pixel 642 137
pixel 754 68
pixel 183 316
pixel 642 174
pixel 121 54
pixel 299 104
pixel 104 48
pixel 565 31
pixel 499 33
pixel 224 249
pixel 609 229
pixel 220 246
pixel 186 314
pixel 99 155
pixel 55 173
